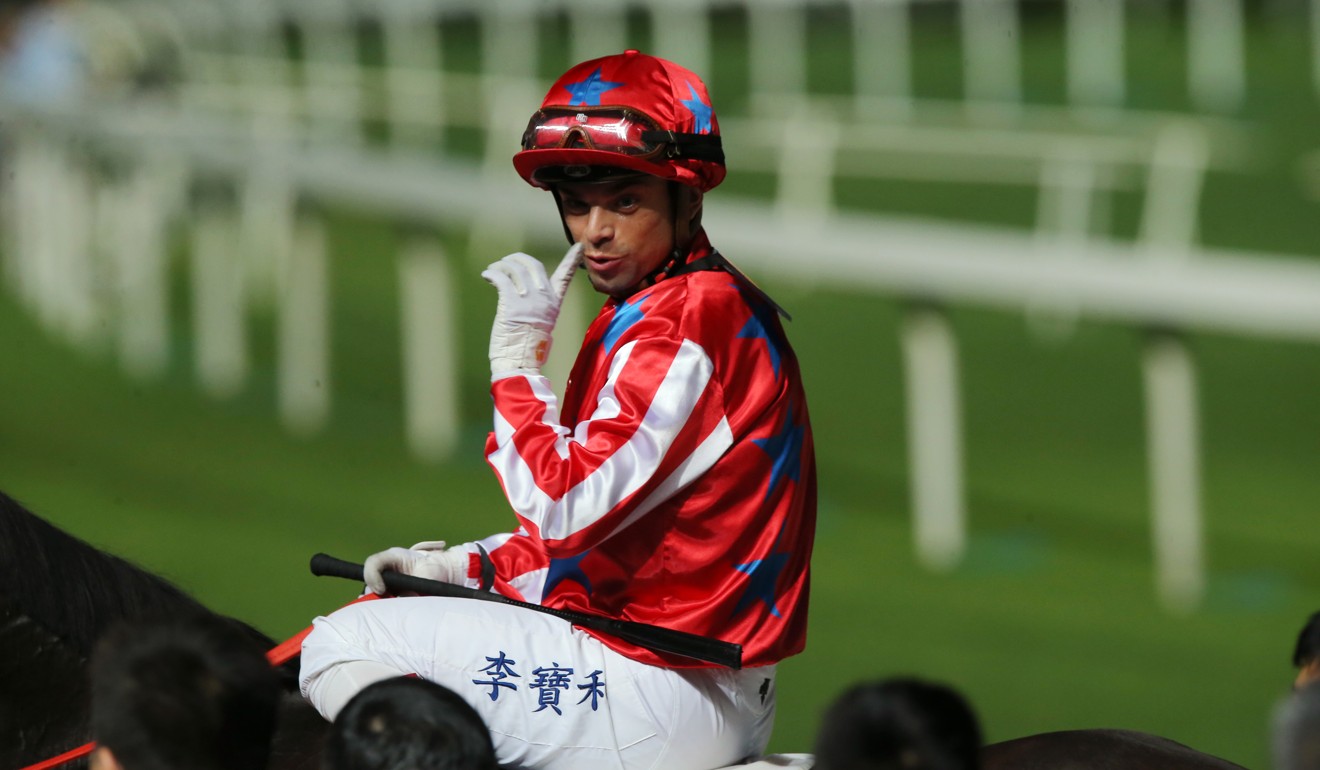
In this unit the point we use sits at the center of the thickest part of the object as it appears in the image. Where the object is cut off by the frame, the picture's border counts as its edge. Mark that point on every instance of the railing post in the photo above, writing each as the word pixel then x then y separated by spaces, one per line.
pixel 303 373
pixel 1216 66
pixel 412 58
pixel 805 178
pixel 219 302
pixel 140 266
pixel 598 28
pixel 934 425
pixel 1173 441
pixel 681 33
pixel 330 48
pixel 882 57
pixel 778 51
pixel 429 349
pixel 1095 39
pixel 1173 446
pixel 992 61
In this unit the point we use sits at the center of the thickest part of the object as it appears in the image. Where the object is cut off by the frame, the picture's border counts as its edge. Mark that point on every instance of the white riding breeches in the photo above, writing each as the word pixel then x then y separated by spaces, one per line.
pixel 553 696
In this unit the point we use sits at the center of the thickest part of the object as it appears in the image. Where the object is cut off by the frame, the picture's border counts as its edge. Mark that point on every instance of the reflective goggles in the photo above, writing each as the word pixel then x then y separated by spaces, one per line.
pixel 615 129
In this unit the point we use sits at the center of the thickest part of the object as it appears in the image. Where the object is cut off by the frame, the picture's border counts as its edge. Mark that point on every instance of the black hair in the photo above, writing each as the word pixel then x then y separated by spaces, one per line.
pixel 406 723
pixel 1307 650
pixel 899 724
pixel 187 691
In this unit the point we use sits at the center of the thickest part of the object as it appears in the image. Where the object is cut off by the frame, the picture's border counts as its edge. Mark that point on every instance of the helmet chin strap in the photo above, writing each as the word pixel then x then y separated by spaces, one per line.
pixel 680 198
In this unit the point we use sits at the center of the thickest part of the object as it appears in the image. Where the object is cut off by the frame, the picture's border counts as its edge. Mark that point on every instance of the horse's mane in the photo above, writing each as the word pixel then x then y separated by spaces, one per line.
pixel 74 590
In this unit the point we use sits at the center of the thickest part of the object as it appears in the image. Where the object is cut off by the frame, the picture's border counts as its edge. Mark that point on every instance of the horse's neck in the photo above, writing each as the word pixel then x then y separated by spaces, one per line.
pixel 43 703
pixel 73 589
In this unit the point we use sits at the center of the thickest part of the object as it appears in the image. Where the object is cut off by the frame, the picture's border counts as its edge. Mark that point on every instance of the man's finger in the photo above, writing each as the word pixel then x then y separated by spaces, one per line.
pixel 496 276
pixel 526 270
pixel 569 265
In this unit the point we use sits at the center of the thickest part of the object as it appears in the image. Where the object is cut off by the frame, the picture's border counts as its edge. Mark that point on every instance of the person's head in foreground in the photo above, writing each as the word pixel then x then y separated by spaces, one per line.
pixel 188 692
pixel 406 723
pixel 1306 655
pixel 899 724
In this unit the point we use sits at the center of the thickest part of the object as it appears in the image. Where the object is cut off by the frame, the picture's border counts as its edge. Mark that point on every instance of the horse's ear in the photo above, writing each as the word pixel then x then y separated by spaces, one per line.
pixel 104 759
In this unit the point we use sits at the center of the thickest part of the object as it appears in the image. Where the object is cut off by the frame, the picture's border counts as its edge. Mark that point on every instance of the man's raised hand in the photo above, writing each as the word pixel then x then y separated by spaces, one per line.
pixel 527 309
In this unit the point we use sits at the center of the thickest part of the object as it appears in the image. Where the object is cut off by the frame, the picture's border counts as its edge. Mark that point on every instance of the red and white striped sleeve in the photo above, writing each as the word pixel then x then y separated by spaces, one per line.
pixel 657 423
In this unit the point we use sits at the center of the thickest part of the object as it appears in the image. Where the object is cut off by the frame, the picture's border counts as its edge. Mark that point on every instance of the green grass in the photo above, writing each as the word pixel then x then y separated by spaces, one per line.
pixel 1051 622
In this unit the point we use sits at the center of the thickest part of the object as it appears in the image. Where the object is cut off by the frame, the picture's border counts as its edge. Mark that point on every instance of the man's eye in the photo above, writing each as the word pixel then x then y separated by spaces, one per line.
pixel 575 207
pixel 627 202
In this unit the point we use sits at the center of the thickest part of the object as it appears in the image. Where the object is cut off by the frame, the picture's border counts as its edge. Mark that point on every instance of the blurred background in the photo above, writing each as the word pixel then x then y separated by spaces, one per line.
pixel 1052 266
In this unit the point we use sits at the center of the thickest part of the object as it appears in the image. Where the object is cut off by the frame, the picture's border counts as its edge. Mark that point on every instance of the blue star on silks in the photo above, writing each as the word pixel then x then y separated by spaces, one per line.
pixel 587 92
pixel 785 450
pixel 701 112
pixel 763 574
pixel 758 328
pixel 569 568
pixel 625 316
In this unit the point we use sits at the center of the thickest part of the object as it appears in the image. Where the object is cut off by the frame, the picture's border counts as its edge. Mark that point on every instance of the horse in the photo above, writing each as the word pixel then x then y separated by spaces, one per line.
pixel 58 594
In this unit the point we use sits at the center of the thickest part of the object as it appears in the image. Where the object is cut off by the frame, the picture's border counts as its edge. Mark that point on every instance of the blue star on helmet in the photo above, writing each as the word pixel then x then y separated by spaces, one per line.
pixel 785 451
pixel 763 576
pixel 569 568
pixel 758 328
pixel 701 112
pixel 625 316
pixel 587 92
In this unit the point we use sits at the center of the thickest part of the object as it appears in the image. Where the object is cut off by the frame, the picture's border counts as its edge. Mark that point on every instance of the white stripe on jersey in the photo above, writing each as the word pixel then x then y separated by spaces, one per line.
pixel 712 448
pixel 629 467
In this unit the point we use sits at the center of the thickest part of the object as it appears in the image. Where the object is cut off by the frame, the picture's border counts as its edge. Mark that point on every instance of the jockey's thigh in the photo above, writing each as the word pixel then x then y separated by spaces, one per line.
pixel 552 695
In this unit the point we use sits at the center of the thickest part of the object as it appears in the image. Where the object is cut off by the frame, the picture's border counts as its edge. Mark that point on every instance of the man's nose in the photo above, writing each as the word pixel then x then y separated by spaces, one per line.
pixel 600 226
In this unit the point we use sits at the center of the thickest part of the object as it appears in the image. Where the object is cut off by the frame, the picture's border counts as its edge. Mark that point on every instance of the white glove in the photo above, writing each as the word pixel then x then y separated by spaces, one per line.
pixel 427 559
pixel 527 309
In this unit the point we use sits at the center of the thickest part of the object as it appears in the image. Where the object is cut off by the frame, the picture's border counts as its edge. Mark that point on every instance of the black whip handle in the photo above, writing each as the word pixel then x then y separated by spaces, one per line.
pixel 654 638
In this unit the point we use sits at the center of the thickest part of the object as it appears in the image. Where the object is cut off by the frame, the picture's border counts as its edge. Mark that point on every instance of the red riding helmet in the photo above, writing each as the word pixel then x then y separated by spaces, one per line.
pixel 627 111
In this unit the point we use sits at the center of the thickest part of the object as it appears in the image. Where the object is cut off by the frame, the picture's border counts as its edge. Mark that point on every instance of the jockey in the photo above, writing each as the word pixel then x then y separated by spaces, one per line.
pixel 675 484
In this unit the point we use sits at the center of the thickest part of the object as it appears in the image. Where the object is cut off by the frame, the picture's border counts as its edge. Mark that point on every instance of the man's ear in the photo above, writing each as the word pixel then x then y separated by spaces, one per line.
pixel 104 759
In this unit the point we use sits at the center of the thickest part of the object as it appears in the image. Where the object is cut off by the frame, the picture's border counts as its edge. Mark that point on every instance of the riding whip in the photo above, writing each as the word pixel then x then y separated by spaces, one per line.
pixel 654 638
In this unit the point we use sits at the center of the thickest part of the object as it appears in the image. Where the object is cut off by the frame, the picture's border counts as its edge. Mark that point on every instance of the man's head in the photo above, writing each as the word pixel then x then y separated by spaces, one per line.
pixel 626 120
pixel 1306 656
pixel 899 724
pixel 405 723
pixel 185 692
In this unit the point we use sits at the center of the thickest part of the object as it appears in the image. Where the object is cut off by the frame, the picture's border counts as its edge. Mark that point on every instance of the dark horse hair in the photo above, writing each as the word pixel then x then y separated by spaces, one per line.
pixel 76 591
pixel 58 596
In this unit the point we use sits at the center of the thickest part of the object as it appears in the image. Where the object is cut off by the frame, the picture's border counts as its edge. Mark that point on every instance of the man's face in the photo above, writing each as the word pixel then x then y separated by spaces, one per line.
pixel 625 228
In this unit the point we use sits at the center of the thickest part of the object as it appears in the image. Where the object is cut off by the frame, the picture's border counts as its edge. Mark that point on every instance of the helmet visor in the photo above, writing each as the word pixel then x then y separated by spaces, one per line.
pixel 609 129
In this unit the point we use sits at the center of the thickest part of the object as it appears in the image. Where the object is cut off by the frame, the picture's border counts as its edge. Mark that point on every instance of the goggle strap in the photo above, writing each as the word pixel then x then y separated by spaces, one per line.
pixel 697 146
